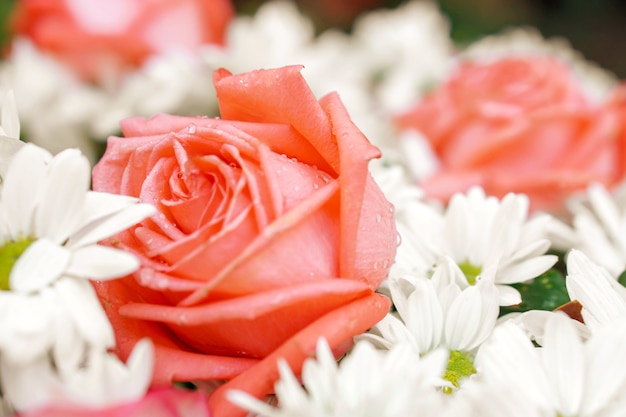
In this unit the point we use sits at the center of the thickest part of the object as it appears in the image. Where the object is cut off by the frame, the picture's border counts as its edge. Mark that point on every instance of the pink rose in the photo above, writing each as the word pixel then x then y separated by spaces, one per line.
pixel 518 124
pixel 157 403
pixel 104 38
pixel 270 233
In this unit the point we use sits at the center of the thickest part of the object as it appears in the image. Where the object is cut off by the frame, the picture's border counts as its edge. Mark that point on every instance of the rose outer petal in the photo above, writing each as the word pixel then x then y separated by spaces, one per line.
pixel 361 256
pixel 253 325
pixel 259 96
pixel 336 327
pixel 174 361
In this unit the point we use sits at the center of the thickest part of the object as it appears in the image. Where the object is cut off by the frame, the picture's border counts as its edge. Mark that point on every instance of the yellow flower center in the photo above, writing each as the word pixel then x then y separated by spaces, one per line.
pixel 9 254
pixel 470 271
pixel 459 367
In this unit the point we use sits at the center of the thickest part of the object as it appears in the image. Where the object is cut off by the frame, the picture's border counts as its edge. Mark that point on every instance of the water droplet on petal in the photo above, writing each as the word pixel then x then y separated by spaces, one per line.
pixel 192 128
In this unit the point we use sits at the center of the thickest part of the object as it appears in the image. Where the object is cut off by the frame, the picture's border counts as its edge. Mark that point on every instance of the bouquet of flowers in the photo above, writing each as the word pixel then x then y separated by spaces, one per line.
pixel 212 214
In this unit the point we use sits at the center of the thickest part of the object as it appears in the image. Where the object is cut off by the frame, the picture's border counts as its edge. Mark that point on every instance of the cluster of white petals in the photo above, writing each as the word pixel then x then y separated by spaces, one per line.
pixel 55 335
pixel 490 239
pixel 367 383
pixel 598 227
pixel 567 376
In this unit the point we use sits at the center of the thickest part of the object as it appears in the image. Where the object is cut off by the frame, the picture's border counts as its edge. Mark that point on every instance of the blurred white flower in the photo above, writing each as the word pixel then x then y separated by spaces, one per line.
pixel 488 239
pixel 404 50
pixel 367 382
pixel 55 108
pixel 598 227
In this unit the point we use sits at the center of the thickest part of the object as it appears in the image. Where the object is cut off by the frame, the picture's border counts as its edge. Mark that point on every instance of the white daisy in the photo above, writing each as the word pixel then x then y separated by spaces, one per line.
pixel 404 51
pixel 50 224
pixel 55 108
pixel 367 382
pixel 603 299
pixel 565 377
pixel 436 313
pixel 487 238
pixel 598 227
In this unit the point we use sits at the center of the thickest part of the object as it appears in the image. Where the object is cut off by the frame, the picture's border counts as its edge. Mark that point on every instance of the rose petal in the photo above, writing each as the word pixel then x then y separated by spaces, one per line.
pixel 174 360
pixel 259 96
pixel 336 327
pixel 361 257
pixel 252 325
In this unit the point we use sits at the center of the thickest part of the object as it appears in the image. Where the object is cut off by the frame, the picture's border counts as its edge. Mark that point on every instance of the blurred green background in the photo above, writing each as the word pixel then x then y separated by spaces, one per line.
pixel 597 28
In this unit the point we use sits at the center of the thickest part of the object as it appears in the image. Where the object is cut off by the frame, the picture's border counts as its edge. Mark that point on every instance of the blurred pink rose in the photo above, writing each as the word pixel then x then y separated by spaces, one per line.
pixel 156 403
pixel 270 233
pixel 104 38
pixel 519 124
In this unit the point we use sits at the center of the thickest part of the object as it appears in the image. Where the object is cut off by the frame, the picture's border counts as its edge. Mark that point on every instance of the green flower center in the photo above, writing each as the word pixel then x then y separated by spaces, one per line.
pixel 470 271
pixel 9 254
pixel 459 367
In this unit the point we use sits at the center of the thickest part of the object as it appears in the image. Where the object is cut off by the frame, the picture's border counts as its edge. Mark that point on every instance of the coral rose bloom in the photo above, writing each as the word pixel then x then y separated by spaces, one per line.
pixel 519 124
pixel 270 233
pixel 101 39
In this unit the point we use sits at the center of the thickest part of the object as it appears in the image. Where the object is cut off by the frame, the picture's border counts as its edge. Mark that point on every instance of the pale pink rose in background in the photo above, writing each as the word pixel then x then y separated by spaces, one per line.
pixel 270 233
pixel 519 124
pixel 101 39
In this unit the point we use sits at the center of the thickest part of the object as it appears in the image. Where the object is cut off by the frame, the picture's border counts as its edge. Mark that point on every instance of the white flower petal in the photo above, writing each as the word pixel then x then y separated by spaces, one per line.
pixel 40 265
pixel 508 296
pixel 10 122
pixel 63 199
pixel 472 317
pixel 110 224
pixel 100 262
pixel 27 330
pixel 85 312
pixel 564 363
pixel 605 379
pixel 21 190
pixel 527 269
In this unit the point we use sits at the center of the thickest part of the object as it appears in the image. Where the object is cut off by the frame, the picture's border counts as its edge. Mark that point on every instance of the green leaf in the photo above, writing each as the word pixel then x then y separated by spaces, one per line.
pixel 622 279
pixel 546 292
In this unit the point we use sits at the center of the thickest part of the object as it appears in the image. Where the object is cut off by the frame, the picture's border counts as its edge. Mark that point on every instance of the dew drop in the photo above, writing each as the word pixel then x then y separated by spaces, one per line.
pixel 379 218
pixel 398 239
pixel 192 128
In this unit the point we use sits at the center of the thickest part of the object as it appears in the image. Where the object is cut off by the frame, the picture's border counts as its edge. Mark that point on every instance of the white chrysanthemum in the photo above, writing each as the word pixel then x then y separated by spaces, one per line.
pixel 404 51
pixel 174 83
pixel 524 41
pixel 55 108
pixel 435 313
pixel 603 299
pixel 50 224
pixel 367 382
pixel 487 238
pixel 598 227
pixel 565 377
pixel 60 111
